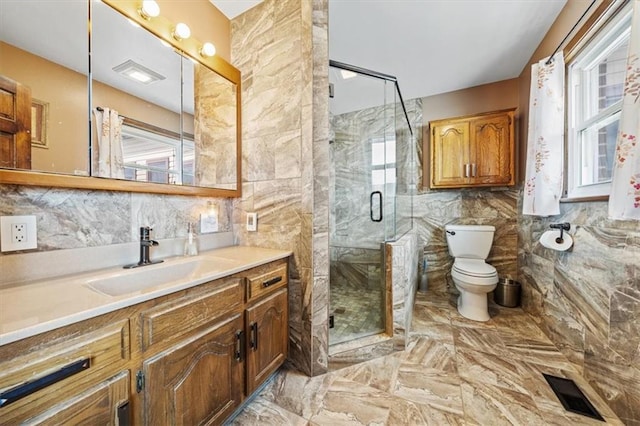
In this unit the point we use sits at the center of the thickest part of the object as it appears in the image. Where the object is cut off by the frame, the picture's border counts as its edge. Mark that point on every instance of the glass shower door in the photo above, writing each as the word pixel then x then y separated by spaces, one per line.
pixel 362 201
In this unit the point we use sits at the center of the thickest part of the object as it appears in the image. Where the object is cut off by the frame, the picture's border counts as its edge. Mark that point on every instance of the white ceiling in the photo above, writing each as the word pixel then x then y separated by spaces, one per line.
pixel 233 8
pixel 437 46
pixel 431 46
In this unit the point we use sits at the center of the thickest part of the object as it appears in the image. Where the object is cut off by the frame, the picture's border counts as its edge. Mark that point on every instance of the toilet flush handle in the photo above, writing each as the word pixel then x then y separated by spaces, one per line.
pixel 452 233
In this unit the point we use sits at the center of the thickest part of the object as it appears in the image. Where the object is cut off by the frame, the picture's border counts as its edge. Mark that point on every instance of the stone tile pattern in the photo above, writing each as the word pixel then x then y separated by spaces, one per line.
pixel 404 282
pixel 356 313
pixel 215 126
pixel 587 300
pixel 350 179
pixel 453 372
pixel 434 209
pixel 281 49
pixel 70 218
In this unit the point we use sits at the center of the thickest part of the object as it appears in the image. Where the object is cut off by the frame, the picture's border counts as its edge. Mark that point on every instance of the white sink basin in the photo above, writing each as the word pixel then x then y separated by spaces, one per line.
pixel 175 271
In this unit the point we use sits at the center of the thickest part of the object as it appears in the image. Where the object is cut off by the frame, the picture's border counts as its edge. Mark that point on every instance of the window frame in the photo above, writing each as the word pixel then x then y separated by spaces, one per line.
pixel 173 140
pixel 606 24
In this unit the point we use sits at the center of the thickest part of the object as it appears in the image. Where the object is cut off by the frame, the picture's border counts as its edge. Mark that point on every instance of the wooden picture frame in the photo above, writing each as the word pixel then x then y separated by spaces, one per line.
pixel 39 119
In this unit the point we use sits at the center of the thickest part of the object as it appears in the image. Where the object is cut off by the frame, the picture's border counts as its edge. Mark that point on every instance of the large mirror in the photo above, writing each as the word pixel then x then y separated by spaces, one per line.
pixel 150 111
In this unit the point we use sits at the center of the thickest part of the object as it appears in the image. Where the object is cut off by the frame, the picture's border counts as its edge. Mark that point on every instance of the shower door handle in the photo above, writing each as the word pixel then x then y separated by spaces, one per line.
pixel 373 194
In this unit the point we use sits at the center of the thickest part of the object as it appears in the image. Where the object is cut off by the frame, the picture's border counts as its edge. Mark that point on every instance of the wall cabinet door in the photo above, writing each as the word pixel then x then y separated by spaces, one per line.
pixel 198 381
pixel 450 153
pixel 268 339
pixel 473 151
pixel 490 149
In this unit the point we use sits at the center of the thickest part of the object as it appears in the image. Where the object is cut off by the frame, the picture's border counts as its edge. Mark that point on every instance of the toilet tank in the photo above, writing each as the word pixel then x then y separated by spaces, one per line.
pixel 469 241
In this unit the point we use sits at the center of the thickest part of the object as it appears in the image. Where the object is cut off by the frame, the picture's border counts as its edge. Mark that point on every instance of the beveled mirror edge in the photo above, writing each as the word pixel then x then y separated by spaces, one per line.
pixel 161 27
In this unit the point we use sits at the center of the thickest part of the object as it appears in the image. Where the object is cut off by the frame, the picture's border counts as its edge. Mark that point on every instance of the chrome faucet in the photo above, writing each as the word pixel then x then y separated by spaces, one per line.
pixel 145 244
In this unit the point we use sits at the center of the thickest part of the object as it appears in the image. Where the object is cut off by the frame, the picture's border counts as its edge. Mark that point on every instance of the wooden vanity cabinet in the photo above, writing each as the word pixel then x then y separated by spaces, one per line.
pixel 470 151
pixel 267 321
pixel 205 352
pixel 199 380
pixel 193 362
pixel 267 325
pixel 73 375
pixel 190 357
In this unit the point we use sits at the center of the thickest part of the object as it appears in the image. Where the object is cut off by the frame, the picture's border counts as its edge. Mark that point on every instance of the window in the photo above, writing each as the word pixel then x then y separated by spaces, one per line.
pixel 383 161
pixel 153 157
pixel 595 84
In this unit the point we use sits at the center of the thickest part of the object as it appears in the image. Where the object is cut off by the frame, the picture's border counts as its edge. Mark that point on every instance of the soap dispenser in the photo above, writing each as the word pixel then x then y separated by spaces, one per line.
pixel 190 244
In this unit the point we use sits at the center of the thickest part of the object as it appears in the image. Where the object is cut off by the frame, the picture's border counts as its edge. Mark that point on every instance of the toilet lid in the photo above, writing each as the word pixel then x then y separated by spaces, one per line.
pixel 474 267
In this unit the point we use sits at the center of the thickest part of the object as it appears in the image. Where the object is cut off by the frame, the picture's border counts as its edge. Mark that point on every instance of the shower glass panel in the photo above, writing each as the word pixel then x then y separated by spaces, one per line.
pixel 362 198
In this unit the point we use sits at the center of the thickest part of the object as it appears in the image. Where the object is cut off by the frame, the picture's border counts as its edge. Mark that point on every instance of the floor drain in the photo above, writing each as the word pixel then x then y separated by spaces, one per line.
pixel 571 397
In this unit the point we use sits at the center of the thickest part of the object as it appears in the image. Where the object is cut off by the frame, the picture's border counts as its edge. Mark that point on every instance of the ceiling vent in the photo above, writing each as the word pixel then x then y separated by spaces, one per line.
pixel 138 73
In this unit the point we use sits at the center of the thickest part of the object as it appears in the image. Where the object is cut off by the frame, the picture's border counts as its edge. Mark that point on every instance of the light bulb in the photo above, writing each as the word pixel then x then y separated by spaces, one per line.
pixel 181 32
pixel 149 9
pixel 208 49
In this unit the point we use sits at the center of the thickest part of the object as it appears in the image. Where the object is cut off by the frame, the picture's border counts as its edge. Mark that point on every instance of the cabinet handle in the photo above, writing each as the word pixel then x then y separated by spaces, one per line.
pixel 26 389
pixel 254 336
pixel 239 345
pixel 466 170
pixel 124 414
pixel 272 281
pixel 474 170
pixel 380 206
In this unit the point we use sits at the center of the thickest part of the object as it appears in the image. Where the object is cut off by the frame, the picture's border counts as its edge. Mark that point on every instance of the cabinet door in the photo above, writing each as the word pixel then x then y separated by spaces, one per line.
pixel 491 150
pixel 103 404
pixel 268 338
pixel 449 154
pixel 199 381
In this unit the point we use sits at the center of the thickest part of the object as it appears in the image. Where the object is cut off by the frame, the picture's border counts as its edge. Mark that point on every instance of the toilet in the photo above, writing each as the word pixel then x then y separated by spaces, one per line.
pixel 473 277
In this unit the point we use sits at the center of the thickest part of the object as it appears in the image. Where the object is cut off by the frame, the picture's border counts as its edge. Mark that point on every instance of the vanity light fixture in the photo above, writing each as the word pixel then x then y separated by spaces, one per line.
pixel 208 50
pixel 181 32
pixel 149 9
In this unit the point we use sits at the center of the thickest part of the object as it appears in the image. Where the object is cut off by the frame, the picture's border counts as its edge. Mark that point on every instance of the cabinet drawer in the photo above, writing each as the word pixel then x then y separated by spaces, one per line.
pixel 39 379
pixel 170 320
pixel 102 404
pixel 266 279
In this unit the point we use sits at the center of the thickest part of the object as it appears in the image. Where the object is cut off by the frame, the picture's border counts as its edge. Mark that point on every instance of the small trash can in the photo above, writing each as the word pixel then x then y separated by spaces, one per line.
pixel 507 293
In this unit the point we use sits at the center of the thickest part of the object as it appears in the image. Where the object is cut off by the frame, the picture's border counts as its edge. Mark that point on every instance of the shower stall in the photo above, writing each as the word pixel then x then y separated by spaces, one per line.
pixel 371 177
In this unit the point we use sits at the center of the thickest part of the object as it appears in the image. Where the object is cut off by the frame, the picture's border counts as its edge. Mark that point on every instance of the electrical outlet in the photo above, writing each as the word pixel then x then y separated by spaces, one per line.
pixel 252 222
pixel 18 233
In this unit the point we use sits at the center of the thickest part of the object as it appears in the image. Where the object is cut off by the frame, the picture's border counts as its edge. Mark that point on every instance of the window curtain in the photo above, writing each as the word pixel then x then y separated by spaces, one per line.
pixel 624 200
pixel 545 152
pixel 110 160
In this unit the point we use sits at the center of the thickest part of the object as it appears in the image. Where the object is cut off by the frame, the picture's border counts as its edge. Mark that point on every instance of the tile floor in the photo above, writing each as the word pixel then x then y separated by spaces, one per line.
pixel 454 372
pixel 357 313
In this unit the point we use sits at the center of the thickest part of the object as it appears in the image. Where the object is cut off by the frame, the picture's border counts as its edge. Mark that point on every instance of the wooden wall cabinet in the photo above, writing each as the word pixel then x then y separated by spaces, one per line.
pixel 191 357
pixel 477 150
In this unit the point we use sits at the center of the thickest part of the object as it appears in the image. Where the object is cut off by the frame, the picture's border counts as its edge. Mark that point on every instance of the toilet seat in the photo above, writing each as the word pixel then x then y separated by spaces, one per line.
pixel 475 271
pixel 474 267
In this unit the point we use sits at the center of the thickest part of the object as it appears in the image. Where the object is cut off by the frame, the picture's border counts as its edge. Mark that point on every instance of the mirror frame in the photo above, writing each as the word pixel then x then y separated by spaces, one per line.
pixel 161 27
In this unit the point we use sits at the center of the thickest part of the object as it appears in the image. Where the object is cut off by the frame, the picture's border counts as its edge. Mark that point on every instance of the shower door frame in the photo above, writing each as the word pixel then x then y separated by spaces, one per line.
pixel 386 271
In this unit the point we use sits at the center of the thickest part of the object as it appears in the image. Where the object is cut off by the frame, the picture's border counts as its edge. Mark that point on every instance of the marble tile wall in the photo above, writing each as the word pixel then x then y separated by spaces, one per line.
pixel 587 300
pixel 281 49
pixel 351 182
pixel 433 209
pixel 71 219
pixel 404 280
pixel 215 126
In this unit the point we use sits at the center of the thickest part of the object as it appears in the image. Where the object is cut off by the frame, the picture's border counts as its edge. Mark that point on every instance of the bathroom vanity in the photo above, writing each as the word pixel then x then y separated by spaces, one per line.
pixel 188 350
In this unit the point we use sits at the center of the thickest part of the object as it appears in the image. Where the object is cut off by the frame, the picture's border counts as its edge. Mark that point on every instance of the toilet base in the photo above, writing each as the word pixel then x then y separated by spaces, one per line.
pixel 473 306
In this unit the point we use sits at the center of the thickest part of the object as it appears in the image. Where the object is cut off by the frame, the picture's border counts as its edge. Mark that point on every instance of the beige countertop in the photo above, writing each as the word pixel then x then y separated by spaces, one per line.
pixel 32 308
